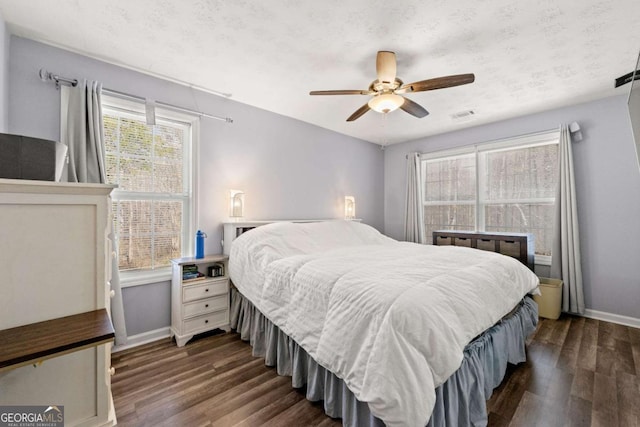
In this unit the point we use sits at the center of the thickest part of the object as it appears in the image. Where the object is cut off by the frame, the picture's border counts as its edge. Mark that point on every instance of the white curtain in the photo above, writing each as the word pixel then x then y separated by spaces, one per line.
pixel 414 207
pixel 82 131
pixel 565 253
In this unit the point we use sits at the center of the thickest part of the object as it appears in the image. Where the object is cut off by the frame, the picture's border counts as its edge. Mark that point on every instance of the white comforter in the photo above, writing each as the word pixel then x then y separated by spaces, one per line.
pixel 389 318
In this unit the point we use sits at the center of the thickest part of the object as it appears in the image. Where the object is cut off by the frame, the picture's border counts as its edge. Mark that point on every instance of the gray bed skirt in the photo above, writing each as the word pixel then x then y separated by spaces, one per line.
pixel 460 401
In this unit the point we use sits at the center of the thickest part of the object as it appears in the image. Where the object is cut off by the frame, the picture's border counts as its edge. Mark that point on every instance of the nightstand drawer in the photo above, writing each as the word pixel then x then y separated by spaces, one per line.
pixel 195 292
pixel 203 306
pixel 209 321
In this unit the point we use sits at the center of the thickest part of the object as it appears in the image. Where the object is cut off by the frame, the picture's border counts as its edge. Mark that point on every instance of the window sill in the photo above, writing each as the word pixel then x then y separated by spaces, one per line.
pixel 129 279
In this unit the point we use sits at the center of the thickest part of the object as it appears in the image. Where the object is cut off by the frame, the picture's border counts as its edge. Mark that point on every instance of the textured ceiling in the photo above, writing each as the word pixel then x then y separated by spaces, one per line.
pixel 527 56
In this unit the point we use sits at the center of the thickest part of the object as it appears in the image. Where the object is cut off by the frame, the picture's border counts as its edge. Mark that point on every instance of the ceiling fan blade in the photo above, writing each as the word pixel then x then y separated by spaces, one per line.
pixel 340 92
pixel 386 66
pixel 413 108
pixel 437 83
pixel 359 112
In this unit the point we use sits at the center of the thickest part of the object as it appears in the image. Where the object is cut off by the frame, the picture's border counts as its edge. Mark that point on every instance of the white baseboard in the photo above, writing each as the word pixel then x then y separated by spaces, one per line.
pixel 613 318
pixel 143 338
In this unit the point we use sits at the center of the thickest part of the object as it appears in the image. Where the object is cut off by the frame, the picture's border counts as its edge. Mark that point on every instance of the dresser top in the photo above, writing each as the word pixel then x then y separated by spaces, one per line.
pixel 51 187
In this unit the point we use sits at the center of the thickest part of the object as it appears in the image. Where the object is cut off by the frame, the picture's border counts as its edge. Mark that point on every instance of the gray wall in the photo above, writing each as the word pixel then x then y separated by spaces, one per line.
pixel 4 76
pixel 288 169
pixel 147 307
pixel 608 193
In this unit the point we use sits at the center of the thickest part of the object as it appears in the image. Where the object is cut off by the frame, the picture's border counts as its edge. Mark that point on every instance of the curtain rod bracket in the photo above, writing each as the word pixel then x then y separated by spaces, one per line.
pixel 46 76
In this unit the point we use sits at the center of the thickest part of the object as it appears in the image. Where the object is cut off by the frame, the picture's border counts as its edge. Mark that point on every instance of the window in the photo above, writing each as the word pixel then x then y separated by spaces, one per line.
pixel 152 206
pixel 450 193
pixel 496 187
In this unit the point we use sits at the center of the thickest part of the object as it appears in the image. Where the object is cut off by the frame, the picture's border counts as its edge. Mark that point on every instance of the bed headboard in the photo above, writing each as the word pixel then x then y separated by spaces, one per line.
pixel 231 230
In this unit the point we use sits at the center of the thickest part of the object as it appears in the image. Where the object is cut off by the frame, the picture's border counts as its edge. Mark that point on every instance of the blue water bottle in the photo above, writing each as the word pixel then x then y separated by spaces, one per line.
pixel 200 244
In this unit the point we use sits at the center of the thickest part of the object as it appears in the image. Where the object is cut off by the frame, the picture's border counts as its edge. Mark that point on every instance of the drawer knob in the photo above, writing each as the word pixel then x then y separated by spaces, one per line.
pixel 206 290
pixel 206 321
pixel 206 306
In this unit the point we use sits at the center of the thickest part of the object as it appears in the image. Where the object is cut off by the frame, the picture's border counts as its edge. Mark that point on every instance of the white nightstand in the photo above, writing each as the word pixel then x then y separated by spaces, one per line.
pixel 200 304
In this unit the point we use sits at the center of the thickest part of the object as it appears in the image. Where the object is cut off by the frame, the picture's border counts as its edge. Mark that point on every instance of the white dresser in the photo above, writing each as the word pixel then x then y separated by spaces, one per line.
pixel 54 262
pixel 199 304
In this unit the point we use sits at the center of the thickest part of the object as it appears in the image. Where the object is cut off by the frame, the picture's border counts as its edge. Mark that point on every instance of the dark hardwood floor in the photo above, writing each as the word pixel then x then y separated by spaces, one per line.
pixel 580 372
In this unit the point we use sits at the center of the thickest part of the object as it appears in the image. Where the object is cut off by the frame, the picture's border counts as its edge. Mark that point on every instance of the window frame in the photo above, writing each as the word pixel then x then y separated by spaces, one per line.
pixel 136 110
pixel 525 141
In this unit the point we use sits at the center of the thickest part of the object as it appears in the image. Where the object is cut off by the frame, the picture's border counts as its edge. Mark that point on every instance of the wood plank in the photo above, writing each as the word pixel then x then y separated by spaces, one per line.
pixel 635 349
pixel 298 414
pixel 578 413
pixel 28 344
pixel 559 330
pixel 617 359
pixel 606 361
pixel 256 404
pixel 624 360
pixel 589 345
pixel 214 380
pixel 604 419
pixel 529 411
pixel 180 399
pixel 607 333
pixel 272 409
pixel 559 387
pixel 582 385
pixel 507 397
pixel 496 420
pixel 219 405
pixel 628 387
pixel 544 331
pixel 605 400
pixel 568 357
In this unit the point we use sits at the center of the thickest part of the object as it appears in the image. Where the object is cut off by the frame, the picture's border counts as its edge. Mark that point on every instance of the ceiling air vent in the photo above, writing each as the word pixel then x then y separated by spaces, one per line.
pixel 462 116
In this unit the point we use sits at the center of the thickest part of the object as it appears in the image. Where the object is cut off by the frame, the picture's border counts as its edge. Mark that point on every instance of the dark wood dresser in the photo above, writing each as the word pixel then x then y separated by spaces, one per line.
pixel 517 245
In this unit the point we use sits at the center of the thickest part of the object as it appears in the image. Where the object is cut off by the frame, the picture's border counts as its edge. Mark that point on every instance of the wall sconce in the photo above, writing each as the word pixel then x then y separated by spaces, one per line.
pixel 236 203
pixel 349 207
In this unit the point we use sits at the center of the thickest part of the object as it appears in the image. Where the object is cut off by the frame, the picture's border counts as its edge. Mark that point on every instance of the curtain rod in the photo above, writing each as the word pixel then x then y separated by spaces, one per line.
pixel 166 105
pixel 573 127
pixel 48 76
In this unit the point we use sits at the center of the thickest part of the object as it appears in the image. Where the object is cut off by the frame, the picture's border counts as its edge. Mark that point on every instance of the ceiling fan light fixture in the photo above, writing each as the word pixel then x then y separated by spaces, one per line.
pixel 386 103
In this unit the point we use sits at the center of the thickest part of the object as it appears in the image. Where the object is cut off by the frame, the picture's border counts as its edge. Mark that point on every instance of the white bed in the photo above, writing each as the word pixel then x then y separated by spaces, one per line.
pixel 391 319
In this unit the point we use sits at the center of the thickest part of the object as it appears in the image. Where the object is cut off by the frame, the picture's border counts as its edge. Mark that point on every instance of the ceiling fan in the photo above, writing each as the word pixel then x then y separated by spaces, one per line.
pixel 386 89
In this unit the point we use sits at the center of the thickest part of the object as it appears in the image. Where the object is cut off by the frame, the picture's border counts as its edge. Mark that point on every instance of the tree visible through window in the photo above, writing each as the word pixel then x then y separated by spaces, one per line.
pixel 150 165
pixel 508 188
pixel 450 193
pixel 519 192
